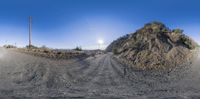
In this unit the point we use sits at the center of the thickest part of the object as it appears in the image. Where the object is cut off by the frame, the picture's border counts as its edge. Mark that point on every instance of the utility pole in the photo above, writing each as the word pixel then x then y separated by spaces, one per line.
pixel 30 30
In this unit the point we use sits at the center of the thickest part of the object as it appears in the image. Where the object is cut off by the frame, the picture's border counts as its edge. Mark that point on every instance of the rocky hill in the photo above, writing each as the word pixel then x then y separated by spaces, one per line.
pixel 154 46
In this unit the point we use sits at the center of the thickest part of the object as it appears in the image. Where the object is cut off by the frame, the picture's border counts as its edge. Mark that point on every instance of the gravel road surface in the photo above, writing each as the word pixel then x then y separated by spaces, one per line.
pixel 102 76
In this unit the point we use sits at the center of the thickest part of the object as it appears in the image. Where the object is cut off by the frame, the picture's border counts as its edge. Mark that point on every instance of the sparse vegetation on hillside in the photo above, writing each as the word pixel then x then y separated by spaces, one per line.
pixel 51 53
pixel 177 31
pixel 187 42
pixel 9 46
pixel 78 49
pixel 31 47
pixel 115 51
pixel 156 27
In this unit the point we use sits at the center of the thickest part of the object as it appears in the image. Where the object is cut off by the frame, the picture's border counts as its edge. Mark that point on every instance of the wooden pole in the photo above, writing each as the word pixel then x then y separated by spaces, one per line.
pixel 30 30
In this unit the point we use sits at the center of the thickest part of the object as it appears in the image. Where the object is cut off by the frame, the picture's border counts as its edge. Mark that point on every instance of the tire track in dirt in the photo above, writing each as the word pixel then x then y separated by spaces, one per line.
pixel 102 78
pixel 77 69
pixel 109 80
pixel 90 73
pixel 80 84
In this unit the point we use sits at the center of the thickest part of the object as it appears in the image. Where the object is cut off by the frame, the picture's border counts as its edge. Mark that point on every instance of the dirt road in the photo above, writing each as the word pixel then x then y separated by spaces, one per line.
pixel 102 76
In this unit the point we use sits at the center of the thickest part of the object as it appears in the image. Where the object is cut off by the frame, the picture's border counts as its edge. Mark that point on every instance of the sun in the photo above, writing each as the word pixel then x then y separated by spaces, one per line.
pixel 100 41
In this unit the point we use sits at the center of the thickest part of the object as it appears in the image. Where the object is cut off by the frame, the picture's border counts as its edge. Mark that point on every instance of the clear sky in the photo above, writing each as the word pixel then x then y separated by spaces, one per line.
pixel 71 23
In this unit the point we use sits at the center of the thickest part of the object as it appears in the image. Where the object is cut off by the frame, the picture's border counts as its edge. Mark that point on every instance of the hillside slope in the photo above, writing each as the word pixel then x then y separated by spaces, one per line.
pixel 154 46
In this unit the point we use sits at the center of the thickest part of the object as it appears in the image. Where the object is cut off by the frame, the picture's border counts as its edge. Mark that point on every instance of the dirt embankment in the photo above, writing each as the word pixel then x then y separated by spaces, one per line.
pixel 154 46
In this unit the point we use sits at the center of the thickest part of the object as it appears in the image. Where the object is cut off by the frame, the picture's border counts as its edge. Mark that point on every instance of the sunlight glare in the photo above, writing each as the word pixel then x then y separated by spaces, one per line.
pixel 100 41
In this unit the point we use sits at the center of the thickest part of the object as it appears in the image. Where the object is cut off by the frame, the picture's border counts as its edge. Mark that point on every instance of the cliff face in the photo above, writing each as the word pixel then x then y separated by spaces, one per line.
pixel 154 46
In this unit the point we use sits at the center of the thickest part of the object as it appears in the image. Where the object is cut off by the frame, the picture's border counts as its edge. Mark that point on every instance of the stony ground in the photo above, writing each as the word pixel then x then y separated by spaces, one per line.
pixel 101 76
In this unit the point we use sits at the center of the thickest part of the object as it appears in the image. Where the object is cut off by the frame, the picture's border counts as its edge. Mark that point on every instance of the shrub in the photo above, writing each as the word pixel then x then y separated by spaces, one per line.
pixel 156 27
pixel 46 51
pixel 59 52
pixel 9 46
pixel 186 41
pixel 177 31
pixel 78 49
pixel 32 47
pixel 115 51
pixel 156 30
pixel 165 30
pixel 44 47
pixel 155 24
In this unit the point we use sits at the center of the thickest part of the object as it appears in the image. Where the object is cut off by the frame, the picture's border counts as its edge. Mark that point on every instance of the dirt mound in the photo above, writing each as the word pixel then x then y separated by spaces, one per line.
pixel 154 46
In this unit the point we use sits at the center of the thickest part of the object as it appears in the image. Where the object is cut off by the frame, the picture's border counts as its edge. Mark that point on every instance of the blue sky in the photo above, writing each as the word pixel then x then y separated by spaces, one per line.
pixel 71 23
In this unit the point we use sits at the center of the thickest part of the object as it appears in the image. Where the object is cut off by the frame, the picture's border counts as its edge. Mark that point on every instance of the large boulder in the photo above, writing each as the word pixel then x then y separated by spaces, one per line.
pixel 154 46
